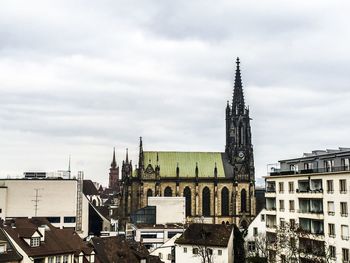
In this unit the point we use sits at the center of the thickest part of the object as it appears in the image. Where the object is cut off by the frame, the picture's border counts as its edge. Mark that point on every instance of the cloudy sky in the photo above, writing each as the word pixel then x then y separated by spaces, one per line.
pixel 80 77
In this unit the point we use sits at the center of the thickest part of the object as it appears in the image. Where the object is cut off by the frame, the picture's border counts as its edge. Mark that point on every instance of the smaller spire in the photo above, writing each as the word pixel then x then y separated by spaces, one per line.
pixel 114 163
pixel 127 156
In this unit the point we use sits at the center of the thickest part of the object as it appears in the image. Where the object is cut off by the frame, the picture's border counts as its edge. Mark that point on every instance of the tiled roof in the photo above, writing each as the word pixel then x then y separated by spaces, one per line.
pixel 206 234
pixel 120 250
pixel 54 243
pixel 186 161
pixel 75 242
pixel 11 255
pixel 89 188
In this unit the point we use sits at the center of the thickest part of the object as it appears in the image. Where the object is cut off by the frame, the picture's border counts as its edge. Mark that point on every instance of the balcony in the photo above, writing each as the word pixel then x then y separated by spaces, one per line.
pixel 311 226
pixel 278 172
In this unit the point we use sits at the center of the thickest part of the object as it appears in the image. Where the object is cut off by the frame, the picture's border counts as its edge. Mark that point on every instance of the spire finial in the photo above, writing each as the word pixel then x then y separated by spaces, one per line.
pixel 127 156
pixel 114 163
pixel 238 97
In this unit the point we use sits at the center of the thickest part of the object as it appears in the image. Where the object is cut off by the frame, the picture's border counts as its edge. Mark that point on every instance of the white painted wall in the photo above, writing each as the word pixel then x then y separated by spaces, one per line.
pixel 169 209
pixel 57 198
pixel 189 257
pixel 165 249
pixel 259 223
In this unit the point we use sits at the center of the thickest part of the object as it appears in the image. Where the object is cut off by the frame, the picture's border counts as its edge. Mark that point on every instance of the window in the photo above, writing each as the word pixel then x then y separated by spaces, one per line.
pixel 185 249
pixel 282 222
pixel 345 232
pixel 292 223
pixel 330 187
pixel 262 218
pixel 331 208
pixel 51 259
pixel 251 246
pixel 345 252
pixel 206 202
pixel 342 184
pixel 35 241
pixel 331 230
pixel 168 191
pixel 243 200
pixel 280 186
pixel 255 231
pixel 0 210
pixel 345 163
pixel 160 255
pixel 69 219
pixel 328 165
pixel 282 205
pixel 2 248
pixel 343 209
pixel 210 251
pixel 58 259
pixel 225 202
pixel 187 195
pixel 291 205
pixel 332 251
pixel 219 252
pixel 195 251
pixel 291 187
pixel 169 257
pixel 54 219
pixel 65 259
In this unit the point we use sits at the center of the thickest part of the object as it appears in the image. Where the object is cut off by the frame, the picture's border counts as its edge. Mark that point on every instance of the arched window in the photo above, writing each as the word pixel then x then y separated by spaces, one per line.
pixel 224 202
pixel 149 192
pixel 168 191
pixel 94 202
pixel 206 202
pixel 243 200
pixel 187 195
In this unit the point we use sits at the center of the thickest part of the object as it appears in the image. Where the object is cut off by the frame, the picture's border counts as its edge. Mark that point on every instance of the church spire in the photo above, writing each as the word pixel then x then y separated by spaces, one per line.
pixel 114 163
pixel 238 97
pixel 127 156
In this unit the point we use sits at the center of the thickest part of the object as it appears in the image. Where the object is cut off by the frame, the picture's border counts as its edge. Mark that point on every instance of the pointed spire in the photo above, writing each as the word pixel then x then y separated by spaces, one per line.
pixel 127 156
pixel 114 163
pixel 238 97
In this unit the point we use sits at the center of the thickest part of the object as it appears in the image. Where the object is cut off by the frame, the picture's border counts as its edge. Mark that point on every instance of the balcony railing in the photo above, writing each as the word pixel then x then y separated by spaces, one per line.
pixel 310 190
pixel 311 171
pixel 303 211
pixel 270 190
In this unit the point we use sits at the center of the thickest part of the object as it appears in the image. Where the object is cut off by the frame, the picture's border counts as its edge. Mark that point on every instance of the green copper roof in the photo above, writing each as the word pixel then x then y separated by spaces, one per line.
pixel 168 161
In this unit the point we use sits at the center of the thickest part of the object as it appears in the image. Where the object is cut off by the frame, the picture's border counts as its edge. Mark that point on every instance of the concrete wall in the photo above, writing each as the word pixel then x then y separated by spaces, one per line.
pixel 169 209
pixel 57 198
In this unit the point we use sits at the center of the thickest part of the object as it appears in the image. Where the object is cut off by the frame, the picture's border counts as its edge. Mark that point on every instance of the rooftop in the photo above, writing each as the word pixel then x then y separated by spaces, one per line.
pixel 206 234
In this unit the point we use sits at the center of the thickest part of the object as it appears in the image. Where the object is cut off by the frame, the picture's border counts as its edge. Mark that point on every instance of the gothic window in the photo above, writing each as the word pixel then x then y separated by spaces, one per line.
pixel 187 195
pixel 240 134
pixel 206 202
pixel 243 200
pixel 224 202
pixel 149 192
pixel 168 191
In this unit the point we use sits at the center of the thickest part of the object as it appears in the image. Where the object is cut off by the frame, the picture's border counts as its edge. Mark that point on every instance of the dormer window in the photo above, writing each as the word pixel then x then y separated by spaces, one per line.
pixel 2 248
pixel 35 241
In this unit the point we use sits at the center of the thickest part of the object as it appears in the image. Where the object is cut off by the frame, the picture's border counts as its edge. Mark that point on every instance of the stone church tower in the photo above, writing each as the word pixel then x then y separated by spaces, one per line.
pixel 114 174
pixel 239 148
pixel 217 186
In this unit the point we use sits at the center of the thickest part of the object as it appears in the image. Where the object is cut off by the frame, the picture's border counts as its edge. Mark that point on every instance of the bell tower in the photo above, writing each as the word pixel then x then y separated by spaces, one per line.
pixel 239 148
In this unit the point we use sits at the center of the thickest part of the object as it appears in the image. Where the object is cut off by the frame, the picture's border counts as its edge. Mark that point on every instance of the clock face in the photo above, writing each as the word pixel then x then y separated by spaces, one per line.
pixel 241 155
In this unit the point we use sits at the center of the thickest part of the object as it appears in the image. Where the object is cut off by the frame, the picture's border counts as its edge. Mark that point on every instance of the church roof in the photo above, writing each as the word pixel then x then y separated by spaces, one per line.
pixel 186 161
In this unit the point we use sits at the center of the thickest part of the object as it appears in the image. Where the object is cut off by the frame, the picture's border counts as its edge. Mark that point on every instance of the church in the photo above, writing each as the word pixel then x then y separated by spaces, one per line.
pixel 218 186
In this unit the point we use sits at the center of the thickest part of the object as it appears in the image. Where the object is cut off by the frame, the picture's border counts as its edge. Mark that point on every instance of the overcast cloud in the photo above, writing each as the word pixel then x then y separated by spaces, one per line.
pixel 80 77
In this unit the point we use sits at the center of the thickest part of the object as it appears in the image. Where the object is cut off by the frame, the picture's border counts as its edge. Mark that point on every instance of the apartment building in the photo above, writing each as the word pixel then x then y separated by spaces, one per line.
pixel 310 195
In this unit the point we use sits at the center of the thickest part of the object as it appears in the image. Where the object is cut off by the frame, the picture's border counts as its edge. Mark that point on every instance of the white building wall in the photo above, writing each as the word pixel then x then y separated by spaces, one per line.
pixel 166 204
pixel 189 257
pixel 259 223
pixel 57 198
pixel 334 196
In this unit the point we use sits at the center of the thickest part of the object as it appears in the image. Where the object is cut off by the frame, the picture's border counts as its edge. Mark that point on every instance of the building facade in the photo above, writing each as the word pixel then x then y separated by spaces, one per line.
pixel 310 194
pixel 218 186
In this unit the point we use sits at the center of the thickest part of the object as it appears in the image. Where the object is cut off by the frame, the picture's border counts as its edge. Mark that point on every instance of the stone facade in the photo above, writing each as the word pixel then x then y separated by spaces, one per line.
pixel 219 187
